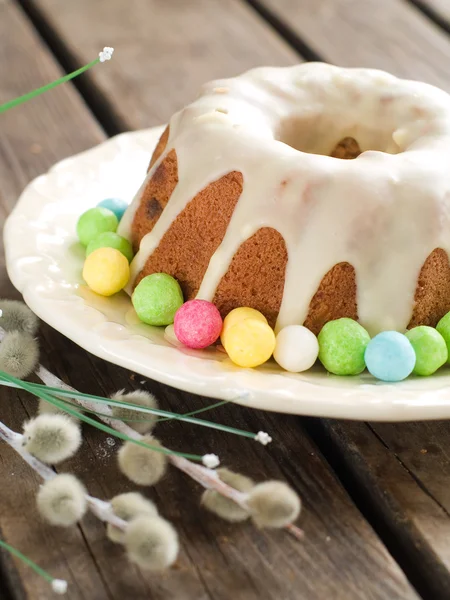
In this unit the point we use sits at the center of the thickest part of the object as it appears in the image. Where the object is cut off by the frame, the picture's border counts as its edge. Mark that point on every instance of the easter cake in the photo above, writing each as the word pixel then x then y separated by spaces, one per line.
pixel 247 201
pixel 300 213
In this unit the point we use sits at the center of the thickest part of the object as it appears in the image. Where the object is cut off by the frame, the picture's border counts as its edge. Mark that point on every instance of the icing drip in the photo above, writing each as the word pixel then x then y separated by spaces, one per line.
pixel 383 212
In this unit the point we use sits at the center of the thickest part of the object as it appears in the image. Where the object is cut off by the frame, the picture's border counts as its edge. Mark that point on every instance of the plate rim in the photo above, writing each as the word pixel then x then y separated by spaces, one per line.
pixel 365 400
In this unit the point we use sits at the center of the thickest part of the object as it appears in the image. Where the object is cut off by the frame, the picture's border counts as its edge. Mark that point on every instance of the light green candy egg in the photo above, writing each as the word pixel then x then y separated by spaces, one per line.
pixel 109 239
pixel 443 327
pixel 430 348
pixel 342 344
pixel 157 298
pixel 94 222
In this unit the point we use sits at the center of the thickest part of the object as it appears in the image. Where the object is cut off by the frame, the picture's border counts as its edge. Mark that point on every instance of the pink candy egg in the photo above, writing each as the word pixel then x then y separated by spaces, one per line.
pixel 197 324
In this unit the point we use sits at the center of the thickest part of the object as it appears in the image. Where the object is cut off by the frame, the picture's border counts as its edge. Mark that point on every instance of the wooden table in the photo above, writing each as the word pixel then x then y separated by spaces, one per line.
pixel 376 496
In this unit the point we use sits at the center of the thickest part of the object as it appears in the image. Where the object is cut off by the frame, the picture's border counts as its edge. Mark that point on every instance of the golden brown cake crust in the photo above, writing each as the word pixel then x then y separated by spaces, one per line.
pixel 432 298
pixel 186 248
pixel 255 276
pixel 347 148
pixel 155 198
pixel 160 147
pixel 335 298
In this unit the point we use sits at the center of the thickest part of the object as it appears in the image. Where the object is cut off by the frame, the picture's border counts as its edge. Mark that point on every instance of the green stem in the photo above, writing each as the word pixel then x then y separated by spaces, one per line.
pixel 60 404
pixel 45 88
pixel 27 561
pixel 144 409
pixel 196 412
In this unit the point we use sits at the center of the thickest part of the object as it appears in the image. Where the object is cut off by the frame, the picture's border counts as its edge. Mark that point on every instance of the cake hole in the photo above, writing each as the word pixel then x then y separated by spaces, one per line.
pixel 328 135
pixel 348 149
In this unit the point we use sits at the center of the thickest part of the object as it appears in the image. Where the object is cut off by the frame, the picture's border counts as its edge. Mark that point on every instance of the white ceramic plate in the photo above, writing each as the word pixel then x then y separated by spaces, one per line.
pixel 44 262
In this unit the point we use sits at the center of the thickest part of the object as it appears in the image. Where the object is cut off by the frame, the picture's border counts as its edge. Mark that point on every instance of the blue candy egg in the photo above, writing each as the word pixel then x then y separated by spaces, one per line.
pixel 390 356
pixel 115 205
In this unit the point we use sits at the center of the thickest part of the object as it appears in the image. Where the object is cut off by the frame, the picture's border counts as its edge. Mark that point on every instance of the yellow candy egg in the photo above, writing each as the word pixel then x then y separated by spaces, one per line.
pixel 249 343
pixel 240 314
pixel 106 271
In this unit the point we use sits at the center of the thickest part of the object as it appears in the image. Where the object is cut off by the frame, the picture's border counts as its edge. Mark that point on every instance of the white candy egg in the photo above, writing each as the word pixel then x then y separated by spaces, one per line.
pixel 296 348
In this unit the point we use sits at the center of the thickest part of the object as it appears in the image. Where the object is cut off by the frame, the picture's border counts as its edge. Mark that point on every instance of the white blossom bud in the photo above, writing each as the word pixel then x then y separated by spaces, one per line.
pixel 62 500
pixel 19 354
pixel 151 543
pixel 140 421
pixel 142 466
pixel 273 504
pixel 128 506
pixel 51 438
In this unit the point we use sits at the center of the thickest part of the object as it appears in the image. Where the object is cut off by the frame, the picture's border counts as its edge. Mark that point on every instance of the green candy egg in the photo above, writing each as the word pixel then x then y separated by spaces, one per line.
pixel 157 298
pixel 430 348
pixel 443 327
pixel 342 344
pixel 94 222
pixel 109 239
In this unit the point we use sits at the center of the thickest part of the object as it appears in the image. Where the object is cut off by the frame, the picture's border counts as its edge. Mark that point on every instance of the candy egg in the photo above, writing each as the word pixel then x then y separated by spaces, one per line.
pixel 430 349
pixel 390 356
pixel 296 348
pixel 157 298
pixel 342 344
pixel 249 343
pixel 197 324
pixel 115 205
pixel 94 222
pixel 109 239
pixel 106 271
pixel 239 314
pixel 443 327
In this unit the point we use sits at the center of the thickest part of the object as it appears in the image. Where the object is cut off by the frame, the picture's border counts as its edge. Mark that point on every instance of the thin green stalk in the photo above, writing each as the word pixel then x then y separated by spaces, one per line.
pixel 60 404
pixel 39 570
pixel 21 99
pixel 194 412
pixel 145 409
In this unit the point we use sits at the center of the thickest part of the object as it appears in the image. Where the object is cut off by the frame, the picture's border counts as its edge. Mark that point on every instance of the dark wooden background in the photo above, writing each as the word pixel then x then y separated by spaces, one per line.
pixel 376 497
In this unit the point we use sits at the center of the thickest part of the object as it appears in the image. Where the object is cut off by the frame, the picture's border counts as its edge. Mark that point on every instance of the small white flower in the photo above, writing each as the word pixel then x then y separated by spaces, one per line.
pixel 263 438
pixel 59 586
pixel 211 461
pixel 106 54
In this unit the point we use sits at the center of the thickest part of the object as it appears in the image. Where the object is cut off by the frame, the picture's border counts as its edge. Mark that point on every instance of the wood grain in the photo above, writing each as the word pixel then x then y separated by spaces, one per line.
pixel 439 10
pixel 164 50
pixel 340 552
pixel 392 35
pixel 401 473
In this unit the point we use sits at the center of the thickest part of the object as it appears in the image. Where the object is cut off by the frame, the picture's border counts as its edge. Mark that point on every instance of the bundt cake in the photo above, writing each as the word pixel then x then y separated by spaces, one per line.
pixel 251 198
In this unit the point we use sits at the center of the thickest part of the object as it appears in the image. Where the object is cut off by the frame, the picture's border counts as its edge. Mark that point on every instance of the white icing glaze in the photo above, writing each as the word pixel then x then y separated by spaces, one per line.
pixel 383 212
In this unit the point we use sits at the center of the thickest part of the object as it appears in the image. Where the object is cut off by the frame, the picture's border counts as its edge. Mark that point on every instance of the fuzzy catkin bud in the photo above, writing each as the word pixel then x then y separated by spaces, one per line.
pixel 142 465
pixel 222 506
pixel 47 408
pixel 151 543
pixel 51 438
pixel 16 316
pixel 273 504
pixel 128 506
pixel 62 500
pixel 19 354
pixel 142 398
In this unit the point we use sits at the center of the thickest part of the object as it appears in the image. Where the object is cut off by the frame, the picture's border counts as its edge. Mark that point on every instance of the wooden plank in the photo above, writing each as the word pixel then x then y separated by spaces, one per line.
pixel 401 473
pixel 340 553
pixel 164 50
pixel 438 10
pixel 392 35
